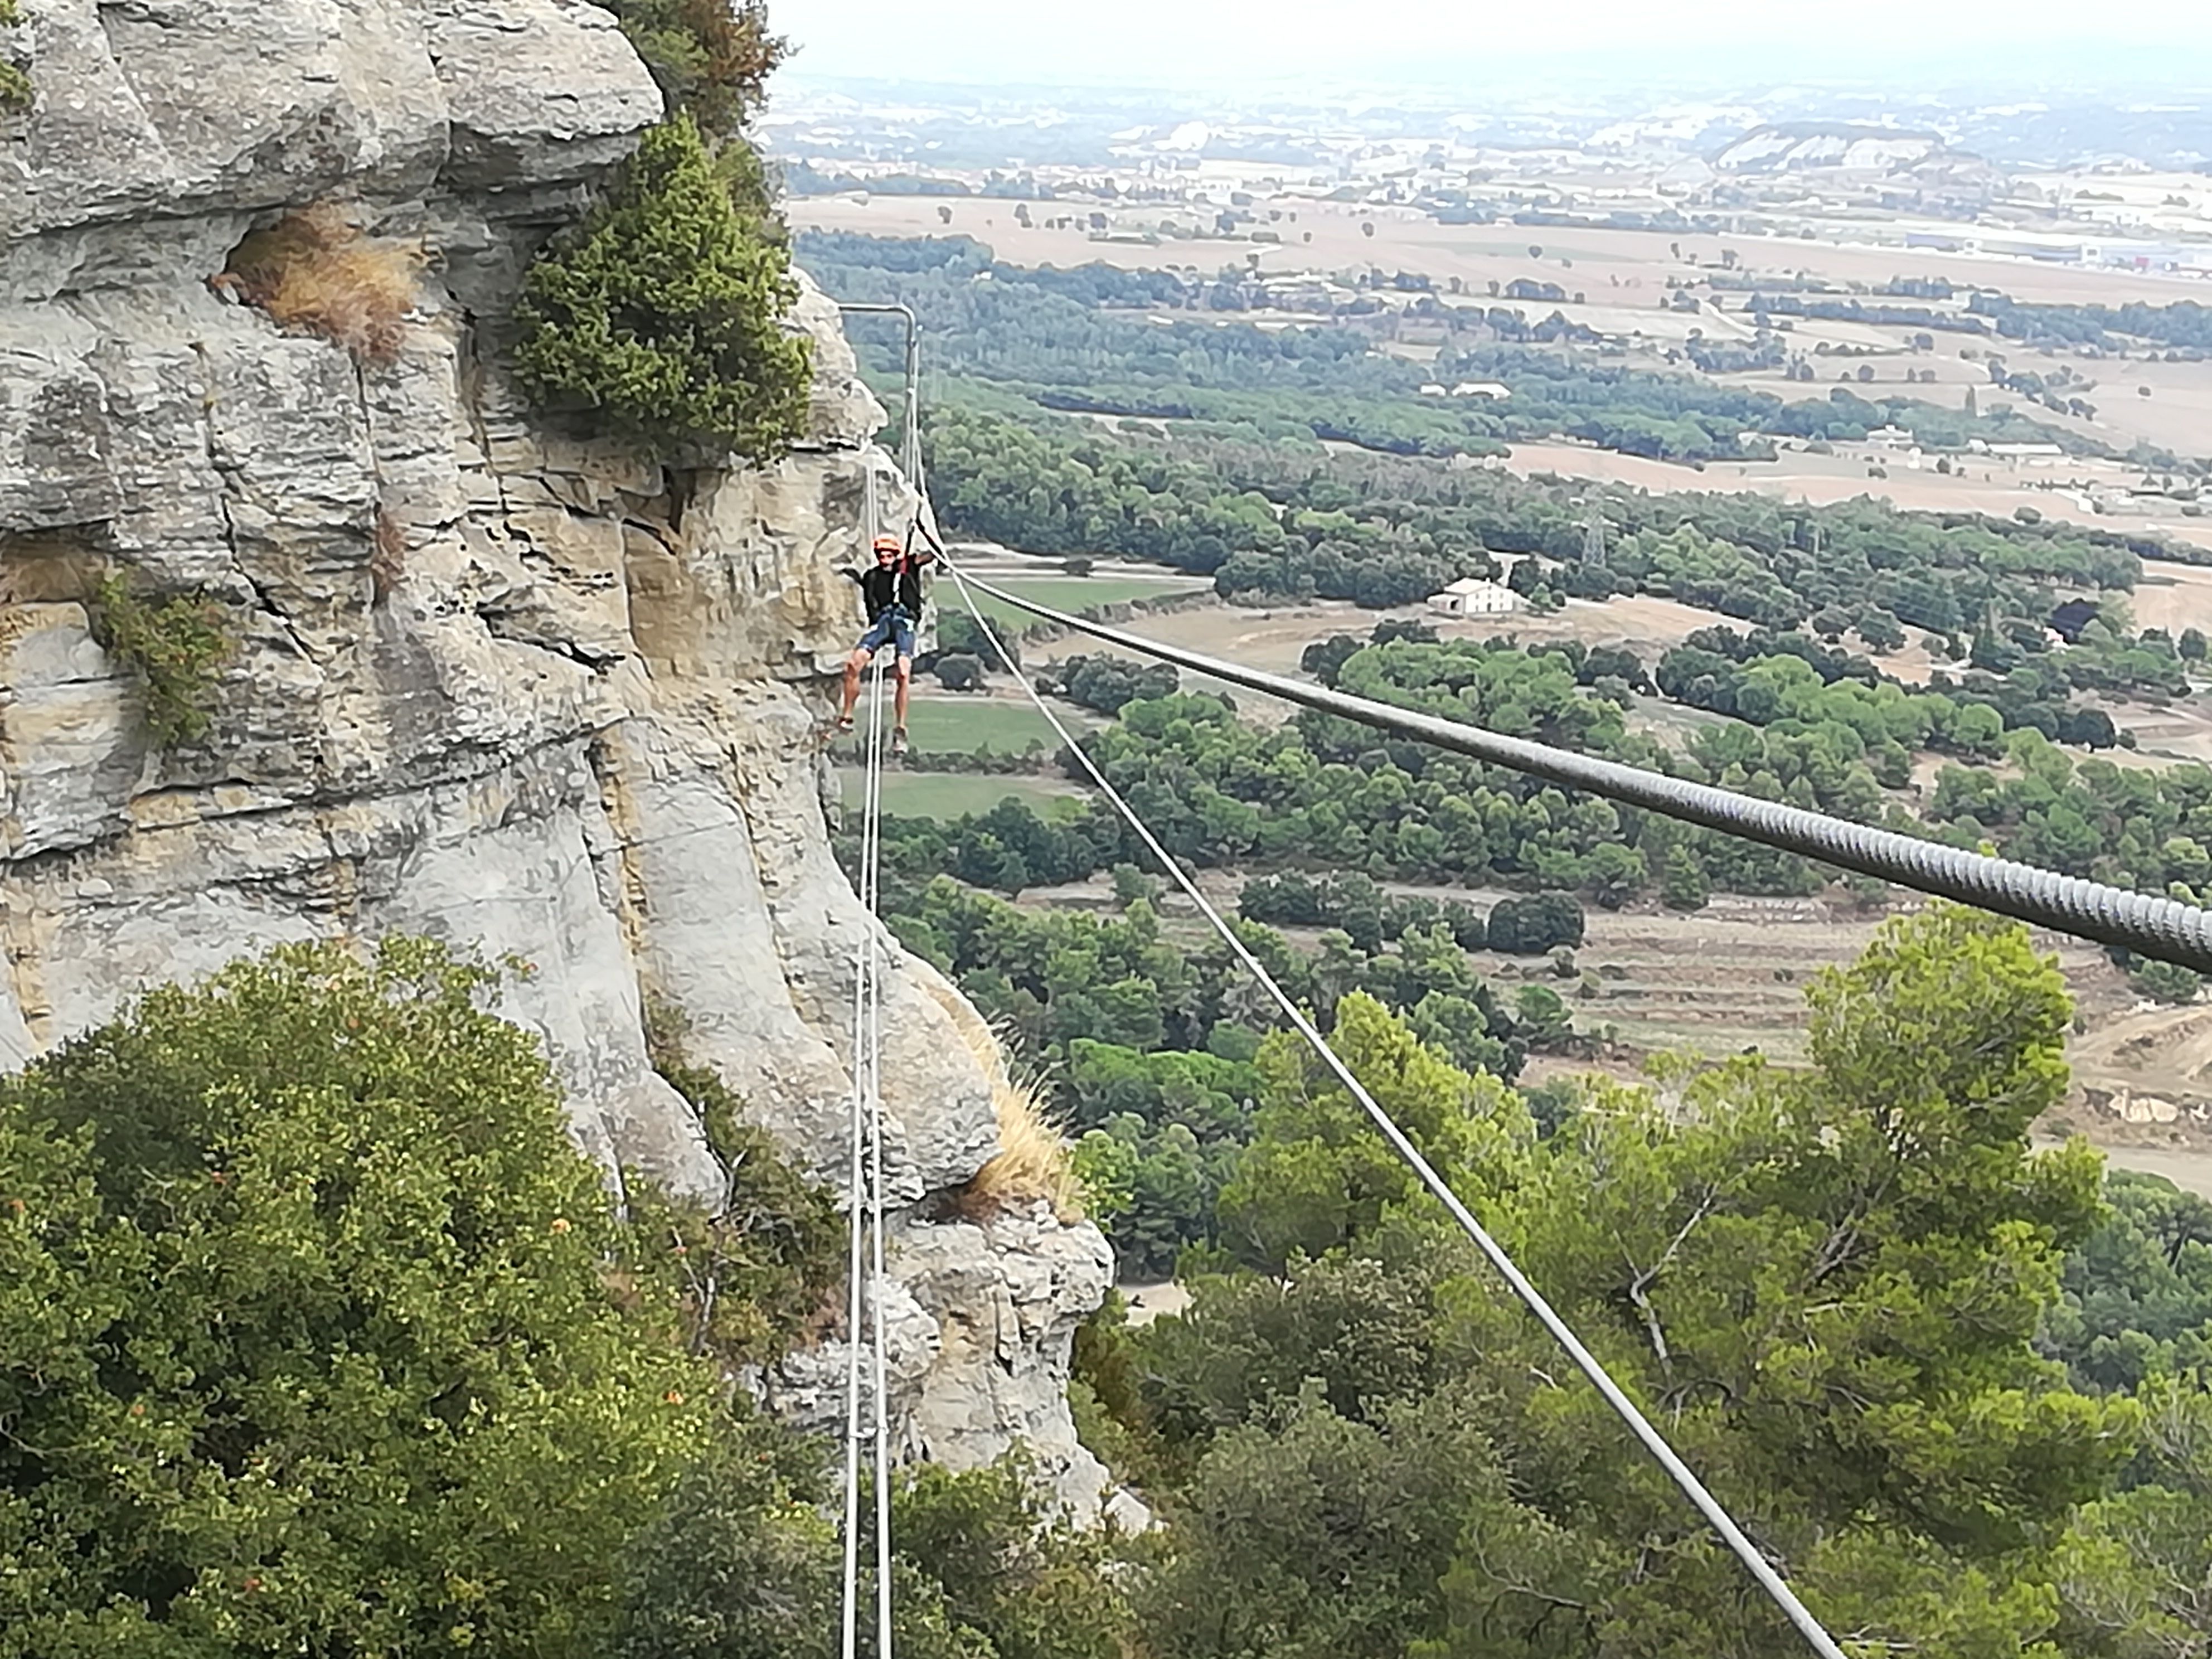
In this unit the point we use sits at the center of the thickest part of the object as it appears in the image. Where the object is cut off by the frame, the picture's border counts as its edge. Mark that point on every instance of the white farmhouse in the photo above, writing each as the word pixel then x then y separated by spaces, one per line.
pixel 1475 596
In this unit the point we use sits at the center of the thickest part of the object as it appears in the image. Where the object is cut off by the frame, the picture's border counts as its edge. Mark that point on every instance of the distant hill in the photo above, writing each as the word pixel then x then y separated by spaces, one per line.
pixel 1803 146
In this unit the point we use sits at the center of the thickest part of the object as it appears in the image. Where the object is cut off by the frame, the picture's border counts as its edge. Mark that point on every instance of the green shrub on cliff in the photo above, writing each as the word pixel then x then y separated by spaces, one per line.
pixel 663 311
pixel 15 85
pixel 710 58
pixel 175 646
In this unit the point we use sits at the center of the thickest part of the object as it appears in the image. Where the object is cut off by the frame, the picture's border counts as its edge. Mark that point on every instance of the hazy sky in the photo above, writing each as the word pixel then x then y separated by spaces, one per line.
pixel 1194 42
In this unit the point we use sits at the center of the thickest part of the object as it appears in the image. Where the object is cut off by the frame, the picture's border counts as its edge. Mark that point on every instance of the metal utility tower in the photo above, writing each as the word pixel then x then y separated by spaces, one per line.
pixel 1593 539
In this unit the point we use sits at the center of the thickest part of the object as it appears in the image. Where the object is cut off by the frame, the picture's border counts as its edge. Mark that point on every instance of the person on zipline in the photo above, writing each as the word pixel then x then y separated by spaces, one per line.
pixel 892 594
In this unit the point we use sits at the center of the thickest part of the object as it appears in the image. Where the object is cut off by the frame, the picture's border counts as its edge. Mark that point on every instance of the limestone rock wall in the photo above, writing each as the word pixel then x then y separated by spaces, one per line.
pixel 571 710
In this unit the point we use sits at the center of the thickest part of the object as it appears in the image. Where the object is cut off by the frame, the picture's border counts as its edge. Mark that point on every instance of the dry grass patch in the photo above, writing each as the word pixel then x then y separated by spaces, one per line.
pixel 1032 1162
pixel 317 271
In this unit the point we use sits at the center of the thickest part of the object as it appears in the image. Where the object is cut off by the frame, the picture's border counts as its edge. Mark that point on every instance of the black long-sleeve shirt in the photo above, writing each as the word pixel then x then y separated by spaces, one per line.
pixel 883 585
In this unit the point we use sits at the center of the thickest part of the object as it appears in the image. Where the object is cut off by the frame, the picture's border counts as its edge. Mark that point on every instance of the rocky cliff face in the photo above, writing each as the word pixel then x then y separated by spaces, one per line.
pixel 570 709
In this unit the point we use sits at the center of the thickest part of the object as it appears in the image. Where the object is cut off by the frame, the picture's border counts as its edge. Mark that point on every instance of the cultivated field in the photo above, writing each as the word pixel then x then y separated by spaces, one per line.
pixel 1605 264
pixel 1622 276
pixel 1068 593
pixel 951 795
pixel 963 723
pixel 1981 486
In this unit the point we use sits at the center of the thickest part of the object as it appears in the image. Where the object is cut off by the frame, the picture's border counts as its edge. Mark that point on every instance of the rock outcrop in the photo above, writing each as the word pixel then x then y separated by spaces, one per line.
pixel 489 682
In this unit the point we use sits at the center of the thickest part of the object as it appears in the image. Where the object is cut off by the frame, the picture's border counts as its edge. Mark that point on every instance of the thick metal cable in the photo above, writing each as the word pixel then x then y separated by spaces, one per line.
pixel 2162 929
pixel 872 842
pixel 1722 1523
pixel 853 1271
pixel 865 1267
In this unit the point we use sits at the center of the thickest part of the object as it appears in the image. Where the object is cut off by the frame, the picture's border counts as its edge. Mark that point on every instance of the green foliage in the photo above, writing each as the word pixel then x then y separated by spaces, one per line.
pixel 1328 1535
pixel 2168 981
pixel 2135 1574
pixel 1788 679
pixel 752 1275
pixel 1317 1175
pixel 307 1342
pixel 2124 824
pixel 175 648
pixel 1682 885
pixel 2138 1302
pixel 742 1562
pixel 743 1565
pixel 1825 1285
pixel 663 311
pixel 751 1279
pixel 1106 683
pixel 1000 1575
pixel 1152 1043
pixel 15 89
pixel 711 58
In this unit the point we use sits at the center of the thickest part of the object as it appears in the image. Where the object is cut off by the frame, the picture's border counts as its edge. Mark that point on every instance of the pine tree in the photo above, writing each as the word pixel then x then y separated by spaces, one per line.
pixel 663 311
pixel 1682 884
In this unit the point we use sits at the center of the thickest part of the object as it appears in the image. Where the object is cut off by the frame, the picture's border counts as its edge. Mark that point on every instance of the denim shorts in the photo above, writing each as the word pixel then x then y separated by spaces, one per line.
pixel 894 626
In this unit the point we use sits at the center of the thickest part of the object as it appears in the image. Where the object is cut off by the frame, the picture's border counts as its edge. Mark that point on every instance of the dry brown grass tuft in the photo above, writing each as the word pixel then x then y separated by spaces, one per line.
pixel 1031 1163
pixel 387 558
pixel 315 270
pixel 1032 1160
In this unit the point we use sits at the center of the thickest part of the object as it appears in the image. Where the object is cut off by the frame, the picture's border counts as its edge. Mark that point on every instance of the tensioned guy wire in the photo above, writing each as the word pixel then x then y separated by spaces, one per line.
pixel 1722 1523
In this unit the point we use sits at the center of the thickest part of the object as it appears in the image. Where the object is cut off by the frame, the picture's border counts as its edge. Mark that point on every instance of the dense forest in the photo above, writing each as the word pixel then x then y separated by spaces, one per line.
pixel 2184 326
pixel 1272 522
pixel 1947 1388
pixel 280 1374
pixel 1812 724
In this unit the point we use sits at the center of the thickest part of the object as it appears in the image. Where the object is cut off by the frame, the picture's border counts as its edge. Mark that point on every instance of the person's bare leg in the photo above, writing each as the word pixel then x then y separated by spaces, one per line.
pixel 905 684
pixel 853 665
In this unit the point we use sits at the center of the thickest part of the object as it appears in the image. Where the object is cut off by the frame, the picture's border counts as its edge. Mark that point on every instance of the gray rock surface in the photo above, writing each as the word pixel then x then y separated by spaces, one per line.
pixel 571 708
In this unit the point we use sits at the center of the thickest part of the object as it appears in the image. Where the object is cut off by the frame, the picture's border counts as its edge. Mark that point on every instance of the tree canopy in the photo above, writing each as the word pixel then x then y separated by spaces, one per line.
pixel 306 1337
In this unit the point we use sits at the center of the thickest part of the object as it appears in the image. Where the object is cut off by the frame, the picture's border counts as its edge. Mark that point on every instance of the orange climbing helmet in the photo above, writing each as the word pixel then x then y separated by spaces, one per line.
pixel 889 544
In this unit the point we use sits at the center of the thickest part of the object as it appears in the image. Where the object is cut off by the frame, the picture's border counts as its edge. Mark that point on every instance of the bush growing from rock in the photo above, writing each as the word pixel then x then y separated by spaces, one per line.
pixel 15 84
pixel 710 58
pixel 175 648
pixel 663 311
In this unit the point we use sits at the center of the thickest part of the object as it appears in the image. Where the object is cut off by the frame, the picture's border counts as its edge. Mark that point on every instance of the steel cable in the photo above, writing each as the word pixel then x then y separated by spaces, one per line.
pixel 2150 925
pixel 865 1257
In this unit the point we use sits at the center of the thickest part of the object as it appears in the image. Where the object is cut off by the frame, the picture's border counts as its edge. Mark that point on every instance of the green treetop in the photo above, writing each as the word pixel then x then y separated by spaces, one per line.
pixel 1825 1286
pixel 663 311
pixel 307 1340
